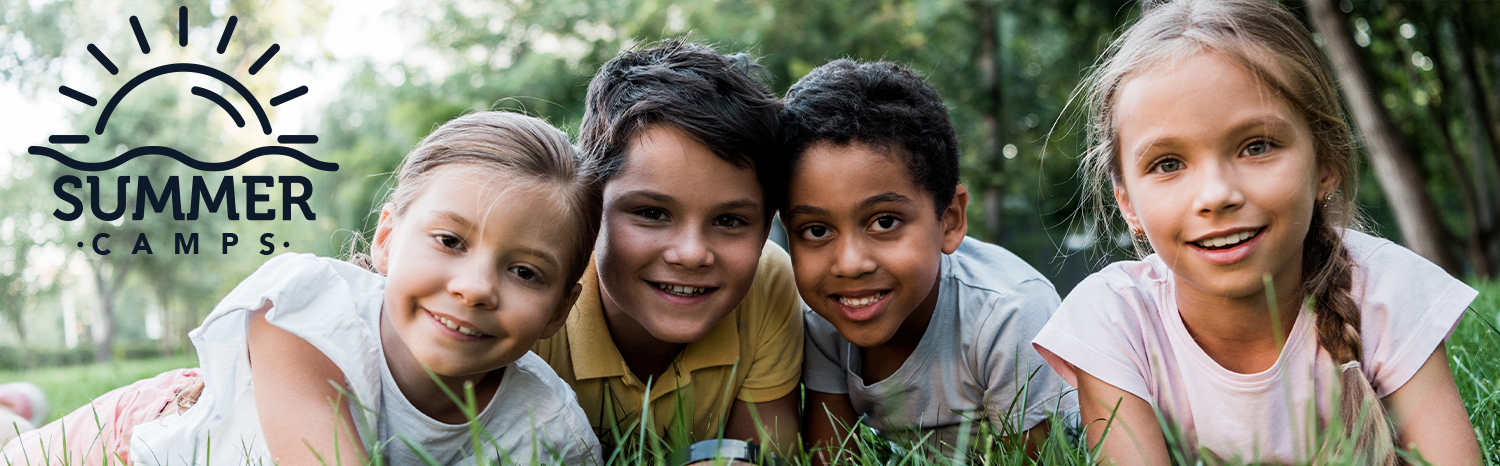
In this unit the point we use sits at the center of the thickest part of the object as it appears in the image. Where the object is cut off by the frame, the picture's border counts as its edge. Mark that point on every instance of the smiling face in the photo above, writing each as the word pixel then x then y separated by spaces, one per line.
pixel 473 278
pixel 1220 173
pixel 866 241
pixel 681 238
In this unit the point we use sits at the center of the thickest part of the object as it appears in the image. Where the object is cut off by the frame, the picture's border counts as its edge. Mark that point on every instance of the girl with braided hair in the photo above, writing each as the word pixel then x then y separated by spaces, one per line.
pixel 1264 327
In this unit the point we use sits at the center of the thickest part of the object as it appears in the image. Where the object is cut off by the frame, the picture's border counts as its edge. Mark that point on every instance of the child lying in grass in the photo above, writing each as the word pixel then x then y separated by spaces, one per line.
pixel 476 257
pixel 913 326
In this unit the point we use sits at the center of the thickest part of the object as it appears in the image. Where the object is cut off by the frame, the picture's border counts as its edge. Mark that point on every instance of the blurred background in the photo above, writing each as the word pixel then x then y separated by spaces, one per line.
pixel 381 75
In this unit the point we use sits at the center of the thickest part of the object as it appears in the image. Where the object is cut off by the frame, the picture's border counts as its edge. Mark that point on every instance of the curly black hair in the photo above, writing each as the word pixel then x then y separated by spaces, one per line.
pixel 720 101
pixel 883 105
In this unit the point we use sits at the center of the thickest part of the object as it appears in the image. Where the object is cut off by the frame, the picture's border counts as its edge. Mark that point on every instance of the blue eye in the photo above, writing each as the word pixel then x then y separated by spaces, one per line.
pixel 1169 165
pixel 1258 148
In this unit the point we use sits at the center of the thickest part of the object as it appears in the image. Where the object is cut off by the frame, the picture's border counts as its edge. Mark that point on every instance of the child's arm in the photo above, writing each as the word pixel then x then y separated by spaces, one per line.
pixel 1430 416
pixel 778 422
pixel 1135 436
pixel 302 415
pixel 829 417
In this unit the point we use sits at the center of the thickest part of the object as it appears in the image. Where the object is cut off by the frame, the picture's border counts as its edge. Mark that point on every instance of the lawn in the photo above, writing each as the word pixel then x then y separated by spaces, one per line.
pixel 1474 351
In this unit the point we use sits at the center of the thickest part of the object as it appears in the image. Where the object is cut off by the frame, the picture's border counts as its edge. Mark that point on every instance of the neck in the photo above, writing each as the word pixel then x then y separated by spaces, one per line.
pixel 423 390
pixel 646 356
pixel 1243 334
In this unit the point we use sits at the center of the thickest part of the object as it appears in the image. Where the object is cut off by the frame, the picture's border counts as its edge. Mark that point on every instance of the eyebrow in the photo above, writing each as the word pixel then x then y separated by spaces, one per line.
pixel 454 217
pixel 869 202
pixel 885 197
pixel 744 203
pixel 1272 124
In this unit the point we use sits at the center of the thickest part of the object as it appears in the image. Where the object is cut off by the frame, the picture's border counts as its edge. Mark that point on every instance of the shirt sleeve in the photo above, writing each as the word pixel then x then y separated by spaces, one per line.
pixel 1098 329
pixel 776 365
pixel 1019 389
pixel 1408 306
pixel 821 370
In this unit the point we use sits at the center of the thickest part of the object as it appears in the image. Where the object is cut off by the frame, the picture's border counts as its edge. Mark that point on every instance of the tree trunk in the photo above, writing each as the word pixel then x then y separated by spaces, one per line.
pixel 987 61
pixel 1416 215
pixel 1469 191
pixel 104 349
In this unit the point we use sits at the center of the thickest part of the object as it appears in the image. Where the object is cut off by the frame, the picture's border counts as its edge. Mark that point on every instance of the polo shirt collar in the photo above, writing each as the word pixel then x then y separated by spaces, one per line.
pixel 595 355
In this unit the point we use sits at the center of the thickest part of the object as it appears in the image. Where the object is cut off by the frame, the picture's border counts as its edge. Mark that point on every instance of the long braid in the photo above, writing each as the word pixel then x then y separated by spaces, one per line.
pixel 1328 280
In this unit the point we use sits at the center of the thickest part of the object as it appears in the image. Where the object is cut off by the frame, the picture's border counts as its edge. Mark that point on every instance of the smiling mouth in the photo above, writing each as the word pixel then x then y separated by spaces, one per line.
pixel 857 303
pixel 1227 241
pixel 452 325
pixel 679 290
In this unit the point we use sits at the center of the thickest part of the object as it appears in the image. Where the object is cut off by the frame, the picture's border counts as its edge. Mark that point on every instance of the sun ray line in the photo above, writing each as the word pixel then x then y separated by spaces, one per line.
pixel 297 139
pixel 271 52
pixel 103 60
pixel 140 36
pixel 78 96
pixel 228 31
pixel 182 26
pixel 289 95
pixel 68 139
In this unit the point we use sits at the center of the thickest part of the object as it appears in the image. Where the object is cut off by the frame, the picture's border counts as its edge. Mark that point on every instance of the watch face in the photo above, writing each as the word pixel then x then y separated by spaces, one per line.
pixel 719 451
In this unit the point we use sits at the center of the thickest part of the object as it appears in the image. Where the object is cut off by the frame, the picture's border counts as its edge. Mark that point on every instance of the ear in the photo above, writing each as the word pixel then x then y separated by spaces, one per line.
pixel 956 220
pixel 1328 182
pixel 560 315
pixel 380 249
pixel 1127 210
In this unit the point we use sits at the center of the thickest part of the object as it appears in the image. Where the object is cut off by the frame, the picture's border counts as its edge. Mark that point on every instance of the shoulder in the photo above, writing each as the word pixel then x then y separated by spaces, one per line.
pixel 987 266
pixel 1103 325
pixel 538 396
pixel 821 334
pixel 1408 306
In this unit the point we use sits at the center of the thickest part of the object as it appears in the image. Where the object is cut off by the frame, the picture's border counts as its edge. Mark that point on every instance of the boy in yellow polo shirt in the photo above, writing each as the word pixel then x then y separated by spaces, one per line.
pixel 684 295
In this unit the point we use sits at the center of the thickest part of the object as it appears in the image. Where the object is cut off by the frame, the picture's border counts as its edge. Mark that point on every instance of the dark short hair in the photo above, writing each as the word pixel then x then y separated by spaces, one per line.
pixel 720 101
pixel 881 104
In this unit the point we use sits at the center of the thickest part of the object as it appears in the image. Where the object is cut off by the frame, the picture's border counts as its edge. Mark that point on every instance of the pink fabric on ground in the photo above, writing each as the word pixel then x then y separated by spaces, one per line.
pixel 101 429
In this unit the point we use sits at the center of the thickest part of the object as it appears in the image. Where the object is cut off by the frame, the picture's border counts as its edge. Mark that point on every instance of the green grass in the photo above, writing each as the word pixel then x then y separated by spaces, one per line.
pixel 1474 352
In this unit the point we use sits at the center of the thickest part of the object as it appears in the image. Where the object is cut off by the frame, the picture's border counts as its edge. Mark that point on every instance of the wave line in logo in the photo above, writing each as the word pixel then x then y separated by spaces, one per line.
pixel 184 158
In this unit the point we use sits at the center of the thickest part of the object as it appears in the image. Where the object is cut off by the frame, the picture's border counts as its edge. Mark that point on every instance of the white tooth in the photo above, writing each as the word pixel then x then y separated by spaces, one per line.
pixel 1246 235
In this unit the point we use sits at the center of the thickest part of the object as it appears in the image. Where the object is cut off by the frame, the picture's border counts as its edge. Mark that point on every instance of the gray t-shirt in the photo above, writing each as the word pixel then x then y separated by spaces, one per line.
pixel 533 412
pixel 975 359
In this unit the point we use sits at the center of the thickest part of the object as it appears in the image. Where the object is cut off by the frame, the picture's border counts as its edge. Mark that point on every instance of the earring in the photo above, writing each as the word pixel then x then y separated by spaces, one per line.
pixel 1327 199
pixel 1140 235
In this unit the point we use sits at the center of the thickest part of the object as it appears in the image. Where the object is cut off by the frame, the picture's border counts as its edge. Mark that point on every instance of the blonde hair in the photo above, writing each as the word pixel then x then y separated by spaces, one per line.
pixel 522 148
pixel 1277 49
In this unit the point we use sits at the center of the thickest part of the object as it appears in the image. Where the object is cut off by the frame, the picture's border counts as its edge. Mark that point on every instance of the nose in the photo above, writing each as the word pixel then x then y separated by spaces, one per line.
pixel 475 284
pixel 853 259
pixel 691 250
pixel 1218 189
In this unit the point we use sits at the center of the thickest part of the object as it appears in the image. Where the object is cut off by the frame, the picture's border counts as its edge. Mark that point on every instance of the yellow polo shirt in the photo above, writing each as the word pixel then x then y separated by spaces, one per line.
pixel 754 355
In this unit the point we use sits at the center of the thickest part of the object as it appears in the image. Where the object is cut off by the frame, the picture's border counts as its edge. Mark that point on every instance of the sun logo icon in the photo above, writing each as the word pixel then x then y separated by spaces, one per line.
pixel 256 110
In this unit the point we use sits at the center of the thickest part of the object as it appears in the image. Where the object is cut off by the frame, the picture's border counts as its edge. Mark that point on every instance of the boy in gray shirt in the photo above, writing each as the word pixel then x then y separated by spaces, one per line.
pixel 911 327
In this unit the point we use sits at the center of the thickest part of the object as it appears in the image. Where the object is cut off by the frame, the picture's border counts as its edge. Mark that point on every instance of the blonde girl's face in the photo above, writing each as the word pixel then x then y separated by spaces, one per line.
pixel 1221 174
pixel 476 274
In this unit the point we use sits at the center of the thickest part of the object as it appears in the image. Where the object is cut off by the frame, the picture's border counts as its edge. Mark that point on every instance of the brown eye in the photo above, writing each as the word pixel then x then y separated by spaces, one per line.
pixel 815 232
pixel 449 241
pixel 525 273
pixel 885 223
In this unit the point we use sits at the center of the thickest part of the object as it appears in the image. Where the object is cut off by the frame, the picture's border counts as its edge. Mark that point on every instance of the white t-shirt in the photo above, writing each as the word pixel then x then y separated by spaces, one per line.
pixel 336 307
pixel 973 362
pixel 1121 325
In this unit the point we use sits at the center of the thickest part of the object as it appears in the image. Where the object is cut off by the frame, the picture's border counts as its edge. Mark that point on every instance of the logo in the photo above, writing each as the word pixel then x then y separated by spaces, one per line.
pixel 159 196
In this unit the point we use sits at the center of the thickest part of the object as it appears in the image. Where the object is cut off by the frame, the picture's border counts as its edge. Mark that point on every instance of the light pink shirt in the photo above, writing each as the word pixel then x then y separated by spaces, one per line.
pixel 1121 325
